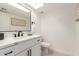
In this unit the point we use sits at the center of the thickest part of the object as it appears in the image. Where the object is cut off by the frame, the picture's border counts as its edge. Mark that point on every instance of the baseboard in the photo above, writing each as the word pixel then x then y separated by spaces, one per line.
pixel 61 51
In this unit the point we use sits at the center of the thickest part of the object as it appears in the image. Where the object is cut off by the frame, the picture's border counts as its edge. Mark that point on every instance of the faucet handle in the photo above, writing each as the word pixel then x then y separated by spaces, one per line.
pixel 22 34
pixel 14 35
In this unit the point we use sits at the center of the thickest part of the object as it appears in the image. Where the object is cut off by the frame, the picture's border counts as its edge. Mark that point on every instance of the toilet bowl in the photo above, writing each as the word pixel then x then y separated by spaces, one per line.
pixel 45 47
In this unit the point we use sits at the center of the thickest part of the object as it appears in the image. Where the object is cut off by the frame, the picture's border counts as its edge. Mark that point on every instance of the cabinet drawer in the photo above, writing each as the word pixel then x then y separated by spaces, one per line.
pixel 25 45
pixel 10 51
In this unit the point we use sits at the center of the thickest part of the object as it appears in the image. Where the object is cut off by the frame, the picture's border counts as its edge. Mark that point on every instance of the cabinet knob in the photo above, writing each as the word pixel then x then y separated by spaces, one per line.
pixel 22 34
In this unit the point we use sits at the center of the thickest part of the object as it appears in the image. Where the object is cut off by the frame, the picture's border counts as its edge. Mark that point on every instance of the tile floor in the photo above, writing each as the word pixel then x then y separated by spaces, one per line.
pixel 53 53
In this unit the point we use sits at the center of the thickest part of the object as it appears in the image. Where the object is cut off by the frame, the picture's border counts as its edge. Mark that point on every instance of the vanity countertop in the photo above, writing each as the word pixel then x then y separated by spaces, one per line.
pixel 11 41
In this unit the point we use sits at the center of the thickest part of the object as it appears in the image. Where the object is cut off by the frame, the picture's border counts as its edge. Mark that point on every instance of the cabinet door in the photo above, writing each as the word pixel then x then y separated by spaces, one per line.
pixel 25 45
pixel 36 50
pixel 23 53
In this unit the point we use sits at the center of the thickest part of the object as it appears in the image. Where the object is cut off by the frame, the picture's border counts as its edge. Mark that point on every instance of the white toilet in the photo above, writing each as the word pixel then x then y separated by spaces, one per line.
pixel 45 47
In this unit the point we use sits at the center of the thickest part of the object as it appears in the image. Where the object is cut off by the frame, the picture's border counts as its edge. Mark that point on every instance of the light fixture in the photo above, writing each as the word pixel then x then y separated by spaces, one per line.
pixel 19 7
pixel 36 5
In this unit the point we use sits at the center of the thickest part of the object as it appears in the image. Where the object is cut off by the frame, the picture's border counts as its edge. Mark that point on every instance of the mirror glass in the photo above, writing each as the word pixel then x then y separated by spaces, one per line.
pixel 14 17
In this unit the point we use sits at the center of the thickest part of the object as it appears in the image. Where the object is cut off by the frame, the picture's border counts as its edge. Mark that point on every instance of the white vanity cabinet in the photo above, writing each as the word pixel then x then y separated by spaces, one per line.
pixel 30 47
pixel 23 53
pixel 36 50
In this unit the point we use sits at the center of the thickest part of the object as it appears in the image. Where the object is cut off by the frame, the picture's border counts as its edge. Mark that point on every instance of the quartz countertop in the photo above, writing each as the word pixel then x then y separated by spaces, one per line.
pixel 11 40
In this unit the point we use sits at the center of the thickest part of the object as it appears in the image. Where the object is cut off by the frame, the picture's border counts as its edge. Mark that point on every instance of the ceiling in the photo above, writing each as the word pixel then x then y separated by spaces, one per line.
pixel 48 7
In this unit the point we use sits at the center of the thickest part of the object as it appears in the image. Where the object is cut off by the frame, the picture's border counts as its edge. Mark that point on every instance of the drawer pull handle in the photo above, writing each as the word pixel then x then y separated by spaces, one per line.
pixel 30 52
pixel 9 53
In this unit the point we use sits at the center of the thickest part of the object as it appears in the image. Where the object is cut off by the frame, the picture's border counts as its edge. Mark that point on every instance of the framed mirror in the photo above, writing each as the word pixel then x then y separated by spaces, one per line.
pixel 14 17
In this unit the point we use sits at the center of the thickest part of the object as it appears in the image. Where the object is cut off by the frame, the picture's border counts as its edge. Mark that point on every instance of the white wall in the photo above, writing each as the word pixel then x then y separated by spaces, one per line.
pixel 36 28
pixel 57 27
pixel 76 16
